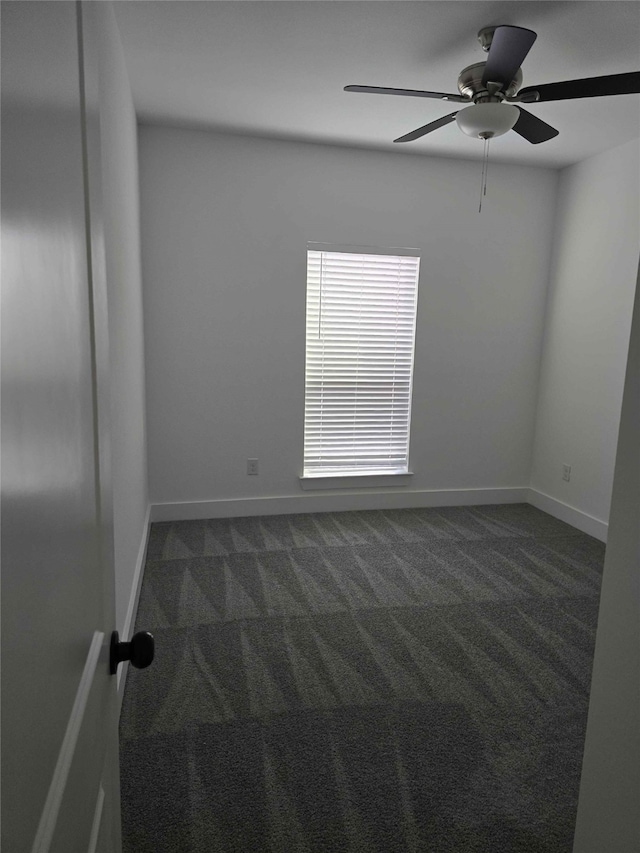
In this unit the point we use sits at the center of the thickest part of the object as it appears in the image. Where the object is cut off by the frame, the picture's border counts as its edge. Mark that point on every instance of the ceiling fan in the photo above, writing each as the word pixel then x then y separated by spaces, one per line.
pixel 493 89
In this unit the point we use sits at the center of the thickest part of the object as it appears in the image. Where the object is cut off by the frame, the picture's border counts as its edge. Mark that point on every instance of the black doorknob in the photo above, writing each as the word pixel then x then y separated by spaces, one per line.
pixel 139 651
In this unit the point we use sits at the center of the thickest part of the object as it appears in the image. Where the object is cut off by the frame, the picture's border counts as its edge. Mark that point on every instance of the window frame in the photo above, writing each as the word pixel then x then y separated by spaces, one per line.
pixel 333 479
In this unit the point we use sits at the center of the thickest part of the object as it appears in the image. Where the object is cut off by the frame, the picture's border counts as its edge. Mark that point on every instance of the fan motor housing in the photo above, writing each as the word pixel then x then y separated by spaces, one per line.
pixel 470 84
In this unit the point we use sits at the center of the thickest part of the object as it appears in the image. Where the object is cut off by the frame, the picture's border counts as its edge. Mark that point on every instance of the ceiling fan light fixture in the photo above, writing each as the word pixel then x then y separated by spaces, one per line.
pixel 485 121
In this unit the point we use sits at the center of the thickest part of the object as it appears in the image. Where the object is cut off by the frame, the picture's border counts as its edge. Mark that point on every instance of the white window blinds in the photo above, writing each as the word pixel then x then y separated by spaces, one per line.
pixel 361 319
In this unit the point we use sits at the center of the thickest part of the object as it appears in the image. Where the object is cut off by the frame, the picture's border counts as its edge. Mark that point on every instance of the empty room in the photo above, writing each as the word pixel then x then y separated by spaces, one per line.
pixel 320 417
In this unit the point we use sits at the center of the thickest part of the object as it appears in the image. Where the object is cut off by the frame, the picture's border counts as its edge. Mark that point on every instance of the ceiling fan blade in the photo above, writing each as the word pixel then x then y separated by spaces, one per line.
pixel 588 87
pixel 509 46
pixel 413 93
pixel 427 128
pixel 533 129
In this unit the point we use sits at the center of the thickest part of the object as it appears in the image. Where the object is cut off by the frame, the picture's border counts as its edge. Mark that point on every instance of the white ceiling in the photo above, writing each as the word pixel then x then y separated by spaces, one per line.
pixel 278 67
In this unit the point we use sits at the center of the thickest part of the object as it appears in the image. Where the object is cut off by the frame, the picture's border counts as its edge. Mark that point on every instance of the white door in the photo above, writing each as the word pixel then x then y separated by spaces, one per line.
pixel 60 787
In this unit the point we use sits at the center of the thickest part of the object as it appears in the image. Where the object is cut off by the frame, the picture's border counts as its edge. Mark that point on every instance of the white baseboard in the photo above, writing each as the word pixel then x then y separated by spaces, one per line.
pixel 334 502
pixel 132 609
pixel 380 499
pixel 575 517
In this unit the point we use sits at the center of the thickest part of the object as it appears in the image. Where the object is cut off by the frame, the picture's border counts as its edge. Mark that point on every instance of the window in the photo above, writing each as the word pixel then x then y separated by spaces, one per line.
pixel 361 319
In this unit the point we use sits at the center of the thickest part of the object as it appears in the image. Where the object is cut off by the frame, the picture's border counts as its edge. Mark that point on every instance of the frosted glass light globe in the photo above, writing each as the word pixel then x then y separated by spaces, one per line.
pixel 484 121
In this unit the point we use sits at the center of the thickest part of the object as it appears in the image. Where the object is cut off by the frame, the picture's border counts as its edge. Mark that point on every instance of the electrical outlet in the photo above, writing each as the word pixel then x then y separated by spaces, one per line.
pixel 566 472
pixel 252 467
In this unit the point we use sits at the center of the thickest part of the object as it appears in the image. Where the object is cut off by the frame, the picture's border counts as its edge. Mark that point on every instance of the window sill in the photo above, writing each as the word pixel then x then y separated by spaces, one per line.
pixel 355 481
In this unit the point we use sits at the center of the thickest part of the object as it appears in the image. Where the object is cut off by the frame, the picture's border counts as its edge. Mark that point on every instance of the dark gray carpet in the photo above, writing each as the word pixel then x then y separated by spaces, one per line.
pixel 393 681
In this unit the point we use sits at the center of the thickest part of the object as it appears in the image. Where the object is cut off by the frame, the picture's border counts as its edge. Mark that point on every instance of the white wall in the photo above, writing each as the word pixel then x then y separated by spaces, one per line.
pixel 225 222
pixel 587 327
pixel 608 814
pixel 124 289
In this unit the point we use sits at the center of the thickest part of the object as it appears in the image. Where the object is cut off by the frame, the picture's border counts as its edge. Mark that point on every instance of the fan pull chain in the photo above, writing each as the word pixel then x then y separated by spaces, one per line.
pixel 484 156
pixel 485 170
pixel 486 167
